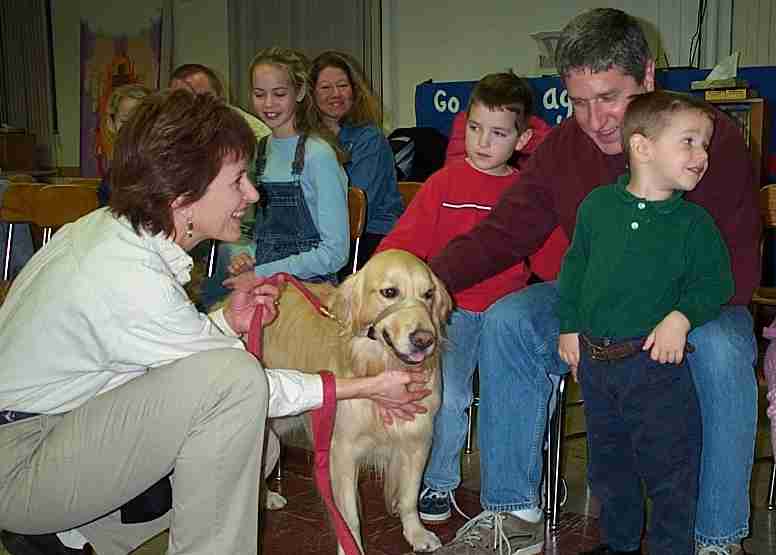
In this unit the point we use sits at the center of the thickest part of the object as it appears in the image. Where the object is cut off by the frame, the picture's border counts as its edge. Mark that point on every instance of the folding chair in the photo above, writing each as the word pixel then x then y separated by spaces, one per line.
pixel 47 206
pixel 407 190
pixel 357 214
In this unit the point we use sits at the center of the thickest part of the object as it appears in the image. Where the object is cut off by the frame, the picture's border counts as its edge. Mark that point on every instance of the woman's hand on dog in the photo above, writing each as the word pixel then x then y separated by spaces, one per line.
pixel 397 393
pixel 251 291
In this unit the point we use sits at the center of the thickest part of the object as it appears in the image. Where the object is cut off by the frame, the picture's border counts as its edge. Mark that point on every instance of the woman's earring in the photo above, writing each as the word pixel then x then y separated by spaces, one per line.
pixel 189 228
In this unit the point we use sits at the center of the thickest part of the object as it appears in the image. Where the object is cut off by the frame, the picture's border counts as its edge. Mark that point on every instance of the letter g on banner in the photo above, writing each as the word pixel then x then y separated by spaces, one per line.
pixel 443 103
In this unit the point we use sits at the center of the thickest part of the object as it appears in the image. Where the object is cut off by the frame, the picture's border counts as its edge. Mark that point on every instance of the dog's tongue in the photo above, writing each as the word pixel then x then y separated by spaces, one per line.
pixel 417 357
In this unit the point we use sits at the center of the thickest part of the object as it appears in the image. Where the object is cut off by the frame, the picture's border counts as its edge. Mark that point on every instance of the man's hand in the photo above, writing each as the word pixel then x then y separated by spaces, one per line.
pixel 250 291
pixel 668 339
pixel 568 349
pixel 241 263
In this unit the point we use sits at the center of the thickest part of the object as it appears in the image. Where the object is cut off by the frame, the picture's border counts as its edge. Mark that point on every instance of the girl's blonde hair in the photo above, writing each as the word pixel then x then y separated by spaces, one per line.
pixel 366 106
pixel 135 91
pixel 307 120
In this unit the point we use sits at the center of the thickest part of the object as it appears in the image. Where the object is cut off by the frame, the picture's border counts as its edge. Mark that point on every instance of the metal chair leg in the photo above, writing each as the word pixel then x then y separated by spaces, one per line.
pixel 772 486
pixel 555 440
pixel 279 467
pixel 472 412
pixel 7 253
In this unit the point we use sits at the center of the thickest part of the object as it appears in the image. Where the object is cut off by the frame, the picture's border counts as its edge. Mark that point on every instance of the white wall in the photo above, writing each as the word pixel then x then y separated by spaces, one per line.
pixel 454 40
pixel 444 40
pixel 754 32
pixel 200 36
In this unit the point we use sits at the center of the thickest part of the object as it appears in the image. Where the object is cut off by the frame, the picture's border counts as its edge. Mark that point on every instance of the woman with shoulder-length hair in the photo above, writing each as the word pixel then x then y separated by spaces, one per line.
pixel 353 112
pixel 111 379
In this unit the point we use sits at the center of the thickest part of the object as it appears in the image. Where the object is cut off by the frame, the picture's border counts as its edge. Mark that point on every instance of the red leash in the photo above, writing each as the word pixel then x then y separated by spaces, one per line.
pixel 322 418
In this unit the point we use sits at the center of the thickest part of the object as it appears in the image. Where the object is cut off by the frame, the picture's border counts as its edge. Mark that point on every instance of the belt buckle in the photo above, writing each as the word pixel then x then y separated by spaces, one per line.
pixel 596 352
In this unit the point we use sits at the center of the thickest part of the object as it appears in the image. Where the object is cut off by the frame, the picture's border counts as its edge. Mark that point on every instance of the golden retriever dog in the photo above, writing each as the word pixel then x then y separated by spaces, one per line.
pixel 388 316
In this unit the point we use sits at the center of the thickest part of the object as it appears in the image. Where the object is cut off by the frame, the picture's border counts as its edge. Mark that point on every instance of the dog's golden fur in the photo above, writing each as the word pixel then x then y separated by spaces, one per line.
pixel 406 306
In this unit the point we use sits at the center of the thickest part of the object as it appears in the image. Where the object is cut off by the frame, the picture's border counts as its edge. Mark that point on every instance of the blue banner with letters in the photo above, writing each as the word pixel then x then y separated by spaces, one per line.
pixel 436 104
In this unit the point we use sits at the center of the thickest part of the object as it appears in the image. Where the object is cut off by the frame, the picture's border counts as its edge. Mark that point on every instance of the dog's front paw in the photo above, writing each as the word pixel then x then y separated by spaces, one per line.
pixel 275 501
pixel 423 541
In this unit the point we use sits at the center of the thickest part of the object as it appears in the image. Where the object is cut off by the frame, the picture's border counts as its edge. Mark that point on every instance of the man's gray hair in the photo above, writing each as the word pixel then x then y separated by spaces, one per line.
pixel 601 39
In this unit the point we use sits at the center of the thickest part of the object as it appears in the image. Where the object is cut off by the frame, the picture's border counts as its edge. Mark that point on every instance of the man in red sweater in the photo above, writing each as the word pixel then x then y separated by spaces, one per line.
pixel 604 59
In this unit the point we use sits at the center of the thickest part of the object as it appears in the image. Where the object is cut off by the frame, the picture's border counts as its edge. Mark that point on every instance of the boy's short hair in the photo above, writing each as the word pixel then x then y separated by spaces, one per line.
pixel 650 113
pixel 504 91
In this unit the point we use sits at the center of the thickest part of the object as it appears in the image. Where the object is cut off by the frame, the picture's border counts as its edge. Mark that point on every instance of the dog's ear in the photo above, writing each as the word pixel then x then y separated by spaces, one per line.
pixel 347 302
pixel 443 303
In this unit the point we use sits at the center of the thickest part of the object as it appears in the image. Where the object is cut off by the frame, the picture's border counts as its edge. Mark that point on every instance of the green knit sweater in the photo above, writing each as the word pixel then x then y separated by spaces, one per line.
pixel 633 261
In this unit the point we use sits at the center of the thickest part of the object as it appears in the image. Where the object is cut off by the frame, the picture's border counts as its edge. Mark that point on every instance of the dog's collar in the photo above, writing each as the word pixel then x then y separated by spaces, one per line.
pixel 370 331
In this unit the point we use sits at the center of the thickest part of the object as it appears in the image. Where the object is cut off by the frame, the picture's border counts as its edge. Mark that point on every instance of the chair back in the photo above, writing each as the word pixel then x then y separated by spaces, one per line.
pixel 768 205
pixel 407 190
pixel 57 205
pixel 46 206
pixel 357 214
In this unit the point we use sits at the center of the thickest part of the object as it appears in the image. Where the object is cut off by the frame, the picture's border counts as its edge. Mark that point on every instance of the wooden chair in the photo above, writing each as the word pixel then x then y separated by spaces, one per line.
pixel 407 190
pixel 47 206
pixel 357 214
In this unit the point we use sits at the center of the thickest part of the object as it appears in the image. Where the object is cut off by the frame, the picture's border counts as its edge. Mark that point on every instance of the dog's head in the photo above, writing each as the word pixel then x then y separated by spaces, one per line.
pixel 396 301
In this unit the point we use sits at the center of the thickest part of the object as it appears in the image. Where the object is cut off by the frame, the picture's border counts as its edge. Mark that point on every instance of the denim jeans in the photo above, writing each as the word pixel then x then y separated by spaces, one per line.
pixel 643 423
pixel 514 342
pixel 722 369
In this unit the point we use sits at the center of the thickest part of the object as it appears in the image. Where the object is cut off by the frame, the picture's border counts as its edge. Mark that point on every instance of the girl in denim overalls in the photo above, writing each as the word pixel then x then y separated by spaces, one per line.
pixel 302 217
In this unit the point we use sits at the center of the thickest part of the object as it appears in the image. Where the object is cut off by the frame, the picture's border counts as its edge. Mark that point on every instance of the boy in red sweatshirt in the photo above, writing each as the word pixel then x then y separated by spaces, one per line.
pixel 450 203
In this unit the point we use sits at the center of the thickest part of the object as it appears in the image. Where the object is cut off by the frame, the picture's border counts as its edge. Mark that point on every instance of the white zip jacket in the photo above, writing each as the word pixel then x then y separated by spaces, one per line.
pixel 101 305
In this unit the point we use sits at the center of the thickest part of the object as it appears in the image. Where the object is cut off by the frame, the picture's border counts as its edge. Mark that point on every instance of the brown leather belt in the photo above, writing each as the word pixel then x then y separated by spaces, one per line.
pixel 605 349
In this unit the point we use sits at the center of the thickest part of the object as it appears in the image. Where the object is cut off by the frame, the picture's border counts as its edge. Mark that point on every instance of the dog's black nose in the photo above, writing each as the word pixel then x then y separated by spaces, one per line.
pixel 421 339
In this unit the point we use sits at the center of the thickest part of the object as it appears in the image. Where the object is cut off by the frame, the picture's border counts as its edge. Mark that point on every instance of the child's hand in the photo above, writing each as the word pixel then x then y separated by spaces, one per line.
pixel 244 281
pixel 668 339
pixel 241 263
pixel 568 349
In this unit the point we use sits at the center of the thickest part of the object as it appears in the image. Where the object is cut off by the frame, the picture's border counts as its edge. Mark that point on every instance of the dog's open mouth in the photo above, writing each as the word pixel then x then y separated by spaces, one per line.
pixel 412 359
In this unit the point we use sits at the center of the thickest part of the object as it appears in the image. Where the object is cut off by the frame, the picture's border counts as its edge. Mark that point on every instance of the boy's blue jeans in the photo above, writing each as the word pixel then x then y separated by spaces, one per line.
pixel 512 410
pixel 643 423
pixel 522 330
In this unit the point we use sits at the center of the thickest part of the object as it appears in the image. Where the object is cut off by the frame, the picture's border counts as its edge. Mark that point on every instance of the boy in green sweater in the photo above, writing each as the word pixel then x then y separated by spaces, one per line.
pixel 644 267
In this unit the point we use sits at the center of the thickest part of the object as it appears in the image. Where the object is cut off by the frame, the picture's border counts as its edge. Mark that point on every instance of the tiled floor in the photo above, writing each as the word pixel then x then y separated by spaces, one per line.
pixel 301 528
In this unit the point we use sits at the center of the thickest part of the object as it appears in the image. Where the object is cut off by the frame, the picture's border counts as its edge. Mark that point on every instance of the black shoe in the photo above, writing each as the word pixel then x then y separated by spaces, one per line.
pixel 45 544
pixel 604 549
